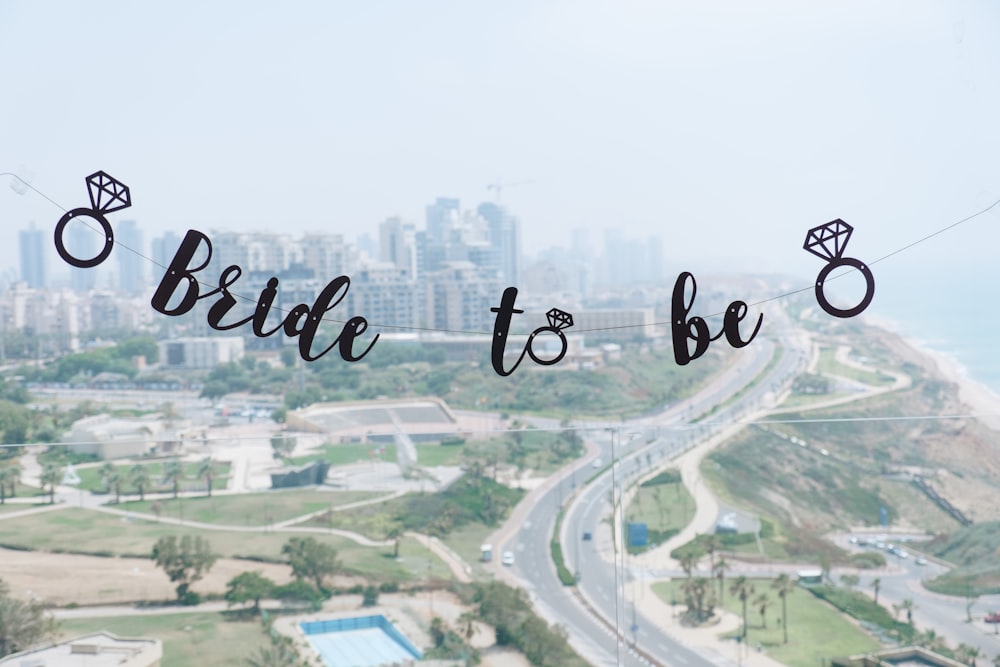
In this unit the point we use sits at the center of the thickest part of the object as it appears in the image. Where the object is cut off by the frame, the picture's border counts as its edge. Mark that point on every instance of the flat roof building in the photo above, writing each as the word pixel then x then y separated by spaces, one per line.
pixel 101 649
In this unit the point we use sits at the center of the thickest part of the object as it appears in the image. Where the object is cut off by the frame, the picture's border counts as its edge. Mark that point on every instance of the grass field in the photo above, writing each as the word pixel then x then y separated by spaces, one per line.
pixel 75 530
pixel 828 364
pixel 345 454
pixel 673 511
pixel 250 509
pixel 816 631
pixel 188 639
pixel 90 478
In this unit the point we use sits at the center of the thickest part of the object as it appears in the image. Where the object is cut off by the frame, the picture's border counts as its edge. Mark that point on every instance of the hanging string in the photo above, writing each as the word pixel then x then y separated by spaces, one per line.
pixel 777 297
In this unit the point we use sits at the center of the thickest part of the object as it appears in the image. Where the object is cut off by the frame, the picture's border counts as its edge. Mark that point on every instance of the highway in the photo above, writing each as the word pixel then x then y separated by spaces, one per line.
pixel 657 438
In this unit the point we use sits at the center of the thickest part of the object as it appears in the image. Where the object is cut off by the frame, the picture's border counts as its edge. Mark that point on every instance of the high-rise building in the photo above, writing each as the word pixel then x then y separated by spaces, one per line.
pixel 32 246
pixel 131 257
pixel 504 234
pixel 83 243
pixel 398 244
pixel 441 217
pixel 164 249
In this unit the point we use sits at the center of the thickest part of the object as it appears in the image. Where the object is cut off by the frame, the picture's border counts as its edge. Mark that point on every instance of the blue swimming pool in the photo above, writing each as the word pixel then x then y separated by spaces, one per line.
pixel 361 641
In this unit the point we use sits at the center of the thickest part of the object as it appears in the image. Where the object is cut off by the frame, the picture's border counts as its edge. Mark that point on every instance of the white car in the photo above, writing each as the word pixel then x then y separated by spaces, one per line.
pixel 508 558
pixel 920 560
pixel 597 463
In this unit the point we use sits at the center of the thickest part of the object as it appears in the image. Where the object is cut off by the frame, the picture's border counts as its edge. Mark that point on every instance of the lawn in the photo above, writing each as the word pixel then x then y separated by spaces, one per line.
pixel 188 639
pixel 249 509
pixel 429 456
pixel 75 530
pixel 674 510
pixel 345 454
pixel 816 631
pixel 90 478
pixel 828 364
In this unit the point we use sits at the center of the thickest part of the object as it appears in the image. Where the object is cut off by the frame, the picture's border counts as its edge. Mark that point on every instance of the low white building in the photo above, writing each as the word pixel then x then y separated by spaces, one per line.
pixel 111 438
pixel 200 353
pixel 101 649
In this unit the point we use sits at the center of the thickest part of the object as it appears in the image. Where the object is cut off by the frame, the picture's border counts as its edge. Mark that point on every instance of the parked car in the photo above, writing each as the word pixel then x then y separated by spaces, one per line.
pixel 508 558
pixel 992 617
pixel 920 560
pixel 587 537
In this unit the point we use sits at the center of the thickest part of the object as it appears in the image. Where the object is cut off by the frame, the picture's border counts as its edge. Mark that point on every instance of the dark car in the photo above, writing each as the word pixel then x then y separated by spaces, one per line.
pixel 586 537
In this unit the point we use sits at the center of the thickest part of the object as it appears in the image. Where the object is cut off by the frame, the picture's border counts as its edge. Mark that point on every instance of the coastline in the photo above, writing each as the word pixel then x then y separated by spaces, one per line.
pixel 982 402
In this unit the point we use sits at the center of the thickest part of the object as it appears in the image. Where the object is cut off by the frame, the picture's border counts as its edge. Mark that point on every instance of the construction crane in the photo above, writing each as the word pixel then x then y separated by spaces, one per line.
pixel 499 186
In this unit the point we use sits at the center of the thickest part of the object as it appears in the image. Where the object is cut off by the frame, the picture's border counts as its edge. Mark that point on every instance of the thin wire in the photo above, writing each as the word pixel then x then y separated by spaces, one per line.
pixel 487 333
pixel 578 429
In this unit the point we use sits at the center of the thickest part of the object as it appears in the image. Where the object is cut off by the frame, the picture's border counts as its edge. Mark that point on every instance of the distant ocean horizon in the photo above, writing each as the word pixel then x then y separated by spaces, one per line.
pixel 953 312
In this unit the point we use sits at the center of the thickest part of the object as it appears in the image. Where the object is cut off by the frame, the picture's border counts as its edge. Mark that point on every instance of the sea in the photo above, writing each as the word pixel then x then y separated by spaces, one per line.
pixel 954 311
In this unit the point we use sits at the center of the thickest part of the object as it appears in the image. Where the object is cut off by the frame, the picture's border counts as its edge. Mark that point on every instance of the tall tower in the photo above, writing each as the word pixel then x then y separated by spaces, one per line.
pixel 164 249
pixel 131 257
pixel 32 246
pixel 398 244
pixel 84 244
pixel 441 217
pixel 504 233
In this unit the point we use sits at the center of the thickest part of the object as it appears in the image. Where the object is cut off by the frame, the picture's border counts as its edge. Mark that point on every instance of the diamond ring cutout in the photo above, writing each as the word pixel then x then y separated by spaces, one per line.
pixel 106 193
pixel 829 241
pixel 559 319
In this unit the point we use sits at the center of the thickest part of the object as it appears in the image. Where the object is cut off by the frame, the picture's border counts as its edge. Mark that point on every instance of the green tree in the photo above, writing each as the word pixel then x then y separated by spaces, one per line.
pixel 248 586
pixel 784 585
pixel 52 474
pixel 10 474
pixel 207 471
pixel 762 602
pixel 22 623
pixel 112 478
pixel 721 567
pixel 185 561
pixel 282 446
pixel 311 560
pixel 173 472
pixel 876 586
pixel 742 589
pixel 281 653
pixel 139 476
pixel 15 420
pixel 909 607
pixel 849 581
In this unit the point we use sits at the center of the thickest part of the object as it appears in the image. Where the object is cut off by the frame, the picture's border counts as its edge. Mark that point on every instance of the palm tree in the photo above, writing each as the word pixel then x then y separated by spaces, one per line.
pixel 784 585
pixel 908 605
pixel 395 534
pixel 173 472
pixel 711 543
pixel 762 602
pixel 719 571
pixel 876 585
pixel 743 589
pixel 139 475
pixel 52 474
pixel 966 653
pixel 689 561
pixel 112 480
pixel 207 471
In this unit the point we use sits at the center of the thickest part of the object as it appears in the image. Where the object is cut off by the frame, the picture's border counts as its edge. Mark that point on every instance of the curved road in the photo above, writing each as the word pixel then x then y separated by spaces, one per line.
pixel 655 438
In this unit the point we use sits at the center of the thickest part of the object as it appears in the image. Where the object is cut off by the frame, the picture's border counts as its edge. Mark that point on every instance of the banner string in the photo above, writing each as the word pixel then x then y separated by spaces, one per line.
pixel 783 295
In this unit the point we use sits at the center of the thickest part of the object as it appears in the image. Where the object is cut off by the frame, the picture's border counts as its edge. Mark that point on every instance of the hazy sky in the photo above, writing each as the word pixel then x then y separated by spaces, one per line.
pixel 727 128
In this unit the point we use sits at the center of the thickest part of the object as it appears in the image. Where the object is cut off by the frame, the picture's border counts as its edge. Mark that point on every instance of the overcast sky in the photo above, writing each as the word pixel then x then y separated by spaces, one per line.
pixel 727 128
